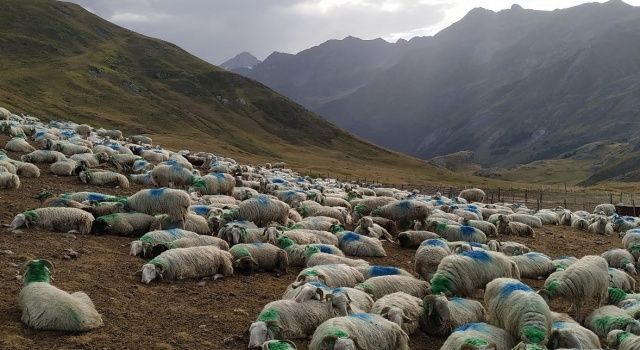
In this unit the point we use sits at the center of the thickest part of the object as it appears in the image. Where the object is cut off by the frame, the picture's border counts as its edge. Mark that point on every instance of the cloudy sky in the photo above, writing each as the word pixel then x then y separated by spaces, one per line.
pixel 216 30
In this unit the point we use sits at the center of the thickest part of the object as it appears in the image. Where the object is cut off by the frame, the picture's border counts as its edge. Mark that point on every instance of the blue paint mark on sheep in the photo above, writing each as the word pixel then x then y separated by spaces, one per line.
pixel 325 248
pixel 96 197
pixel 174 232
pixel 378 270
pixel 467 230
pixel 156 192
pixel 475 244
pixel 478 255
pixel 260 245
pixel 362 316
pixel 559 325
pixel 457 300
pixel 433 243
pixel 350 237
pixel 200 209
pixel 278 180
pixel 480 327
pixel 263 200
pixel 404 204
pixel 511 287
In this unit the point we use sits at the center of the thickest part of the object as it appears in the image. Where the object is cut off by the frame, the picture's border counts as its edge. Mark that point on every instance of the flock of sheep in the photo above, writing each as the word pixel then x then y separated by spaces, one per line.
pixel 208 216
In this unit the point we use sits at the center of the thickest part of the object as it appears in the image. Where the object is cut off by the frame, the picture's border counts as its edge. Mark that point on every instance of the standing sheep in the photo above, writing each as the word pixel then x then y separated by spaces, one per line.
pixel 174 203
pixel 357 245
pixel 359 331
pixel 380 286
pixel 55 219
pixel 193 262
pixel 479 336
pixel 400 308
pixel 261 210
pixel 46 307
pixel 104 178
pixel 259 256
pixel 428 257
pixel 442 315
pixel 472 195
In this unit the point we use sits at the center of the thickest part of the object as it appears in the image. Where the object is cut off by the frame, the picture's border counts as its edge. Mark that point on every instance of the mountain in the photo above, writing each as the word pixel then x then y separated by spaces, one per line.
pixel 513 86
pixel 60 61
pixel 243 60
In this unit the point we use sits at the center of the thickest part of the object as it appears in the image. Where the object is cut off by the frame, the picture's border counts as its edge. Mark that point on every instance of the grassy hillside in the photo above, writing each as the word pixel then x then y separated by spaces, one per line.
pixel 59 61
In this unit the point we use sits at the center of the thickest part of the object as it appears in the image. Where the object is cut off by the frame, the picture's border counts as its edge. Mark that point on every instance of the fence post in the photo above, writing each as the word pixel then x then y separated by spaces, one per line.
pixel 610 198
pixel 450 192
pixel 525 196
pixel 498 194
pixel 538 204
pixel 620 197
pixel 633 202
pixel 492 197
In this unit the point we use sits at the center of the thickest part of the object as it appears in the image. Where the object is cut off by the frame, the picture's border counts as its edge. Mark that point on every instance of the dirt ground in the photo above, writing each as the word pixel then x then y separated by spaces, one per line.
pixel 172 315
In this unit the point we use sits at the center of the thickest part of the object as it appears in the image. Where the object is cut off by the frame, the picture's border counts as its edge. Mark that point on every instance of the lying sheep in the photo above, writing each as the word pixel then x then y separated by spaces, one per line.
pixel 90 160
pixel 174 203
pixel 369 271
pixel 278 345
pixel 259 256
pixel 529 220
pixel 298 253
pixel 9 181
pixel 69 149
pixel 608 318
pixel 472 195
pixel 315 257
pixel 462 274
pixel 188 242
pixel 357 245
pixel 66 167
pixel 568 334
pixel 380 286
pixel 507 227
pixel 579 223
pixel 441 315
pixel 400 308
pixel 19 144
pixel 607 209
pixel 143 245
pixel 45 307
pixel 261 210
pixel 534 265
pixel 413 239
pixel 43 156
pixel 354 299
pixel 631 242
pixel 508 248
pixel 333 275
pixel 479 336
pixel 367 227
pixel 193 262
pixel 563 262
pixel 515 307
pixel 361 331
pixel 601 227
pixel 125 224
pixel 220 183
pixel 622 280
pixel 55 219
pixel 172 175
pixel 457 232
pixel 621 340
pixel 337 213
pixel 428 257
pixel 548 217
pixel 303 236
pixel 488 228
pixel 236 234
pixel 289 318
pixel 320 223
pixel 26 169
pixel 104 178
pixel 620 259
pixel 192 222
pixel 585 279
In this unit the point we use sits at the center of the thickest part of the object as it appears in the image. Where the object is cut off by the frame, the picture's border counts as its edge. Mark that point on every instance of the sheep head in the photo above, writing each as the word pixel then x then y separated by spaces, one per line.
pixel 246 265
pixel 483 346
pixel 342 302
pixel 19 221
pixel 136 248
pixel 395 315
pixel 151 272
pixel 38 271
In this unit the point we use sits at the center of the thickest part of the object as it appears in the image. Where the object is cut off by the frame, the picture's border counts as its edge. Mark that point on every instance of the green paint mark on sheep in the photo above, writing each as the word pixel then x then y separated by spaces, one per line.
pixel 616 295
pixel 285 242
pixel 534 334
pixel 268 315
pixel 239 251
pixel 553 286
pixel 73 316
pixel 337 332
pixel 441 284
pixel 476 342
pixel 279 345
pixel 310 250
pixel 623 336
pixel 31 214
pixel 441 227
pixel 37 272
pixel 606 323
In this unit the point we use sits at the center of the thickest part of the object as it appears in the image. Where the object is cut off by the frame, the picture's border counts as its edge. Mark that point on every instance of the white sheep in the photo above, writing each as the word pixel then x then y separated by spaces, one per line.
pixel 193 262
pixel 413 239
pixel 609 317
pixel 354 299
pixel 19 144
pixel 404 211
pixel 620 259
pixel 192 222
pixel 55 219
pixel 457 232
pixel 583 280
pixel 367 227
pixel 569 334
pixel 9 181
pixel 561 263
pixel 66 167
pixel 507 227
pixel 428 257
pixel 314 258
pixel 601 227
pixel 220 183
pixel 46 307
pixel 332 275
pixel 90 160
pixel 43 156
pixel 607 209
pixel 261 210
pixel 462 274
pixel 631 242
pixel 622 280
pixel 359 331
pixel 400 308
pixel 442 315
pixel 622 340
pixel 259 256
pixel 174 203
pixel 479 336
pixel 354 244
pixel 125 224
pixel 144 244
pixel 488 228
pixel 172 175
pixel 320 223
pixel 529 220
pixel 104 178
pixel 472 195
pixel 534 265
pixel 515 307
pixel 508 248
pixel 26 169
pixel 380 286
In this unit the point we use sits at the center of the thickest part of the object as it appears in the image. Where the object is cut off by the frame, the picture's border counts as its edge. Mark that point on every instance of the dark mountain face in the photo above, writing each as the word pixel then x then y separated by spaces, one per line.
pixel 512 86
pixel 243 60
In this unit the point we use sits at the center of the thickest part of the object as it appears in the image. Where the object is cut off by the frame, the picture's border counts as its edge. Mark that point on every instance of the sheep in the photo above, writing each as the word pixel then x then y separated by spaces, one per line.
pixel 154 156
pixel 289 318
pixel 488 228
pixel 187 242
pixel 90 160
pixel 579 223
pixel 357 245
pixel 332 275
pixel 26 169
pixel 69 149
pixel 380 286
pixel 19 144
pixel 45 307
pixel 515 307
pixel 607 209
pixel 362 331
pixel 193 262
pixel 172 175
pixel 367 227
pixel 83 130
pixel 43 156
pixel 315 257
pixel 548 217
pixel 192 222
pixel 336 202
pixel 66 167
pixel 620 259
pixel 609 317
pixel 622 280
pixel 621 340
pixel 220 183
pixel 105 208
pixel 291 197
pixel 320 223
pixel 442 315
pixel 141 179
pixel 9 181
pixel 278 345
pixel 140 139
pixel 508 248
pixel 55 219
pixel 311 236
pixel 457 233
pixel 601 227
pixel 586 278
pixel 413 239
pixel 123 162
pixel 506 227
pixel 357 299
pixel 563 262
pixel 112 134
pixel 337 213
pixel 624 224
pixel 428 257
pixel 174 203
pixel 529 220
pixel 298 253
pixel 125 224
pixel 631 242
pixel 461 274
pixel 369 271
pixel 104 178
pixel 568 334
pixel 534 265
pixel 404 211
pixel 144 244
pixel 259 256
pixel 400 308
pixel 479 336
pixel 363 207
pixel 261 210
pixel 472 195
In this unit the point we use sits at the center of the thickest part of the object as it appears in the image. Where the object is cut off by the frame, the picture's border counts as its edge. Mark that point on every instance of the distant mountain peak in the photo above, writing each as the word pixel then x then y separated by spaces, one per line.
pixel 241 60
pixel 516 7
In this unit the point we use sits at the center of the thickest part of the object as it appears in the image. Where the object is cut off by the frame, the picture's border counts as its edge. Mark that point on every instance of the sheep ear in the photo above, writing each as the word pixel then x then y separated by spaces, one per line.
pixel 50 266
pixel 407 318
pixel 320 292
pixel 385 310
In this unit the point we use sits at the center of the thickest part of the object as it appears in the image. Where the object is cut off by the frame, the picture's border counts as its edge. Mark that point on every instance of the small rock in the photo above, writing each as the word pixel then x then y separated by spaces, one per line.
pixel 17 231
pixel 201 283
pixel 68 235
pixel 70 254
pixel 6 252
pixel 202 326
pixel 18 277
pixel 13 264
pixel 241 311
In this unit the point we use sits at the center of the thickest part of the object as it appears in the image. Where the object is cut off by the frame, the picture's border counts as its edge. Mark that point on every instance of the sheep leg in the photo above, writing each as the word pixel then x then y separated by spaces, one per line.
pixel 217 276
